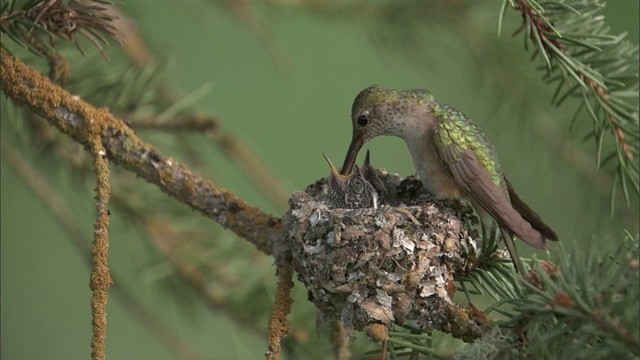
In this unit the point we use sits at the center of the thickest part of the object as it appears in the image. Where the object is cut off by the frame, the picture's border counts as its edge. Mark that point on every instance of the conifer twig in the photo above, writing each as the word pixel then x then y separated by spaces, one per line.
pixel 539 29
pixel 588 63
pixel 59 70
pixel 65 19
pixel 586 304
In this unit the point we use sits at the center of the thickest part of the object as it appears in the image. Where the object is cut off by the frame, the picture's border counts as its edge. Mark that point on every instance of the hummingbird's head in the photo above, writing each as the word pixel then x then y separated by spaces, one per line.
pixel 381 111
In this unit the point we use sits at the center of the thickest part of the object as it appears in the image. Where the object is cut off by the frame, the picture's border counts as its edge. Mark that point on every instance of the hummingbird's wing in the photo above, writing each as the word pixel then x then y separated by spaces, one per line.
pixel 455 148
pixel 529 215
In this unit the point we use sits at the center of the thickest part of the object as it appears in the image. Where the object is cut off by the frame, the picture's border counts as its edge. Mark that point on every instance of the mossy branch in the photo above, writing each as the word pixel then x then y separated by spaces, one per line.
pixel 76 118
pixel 76 235
pixel 100 274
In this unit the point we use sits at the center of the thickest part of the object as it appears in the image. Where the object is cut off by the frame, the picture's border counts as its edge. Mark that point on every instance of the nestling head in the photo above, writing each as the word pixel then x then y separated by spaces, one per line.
pixel 351 191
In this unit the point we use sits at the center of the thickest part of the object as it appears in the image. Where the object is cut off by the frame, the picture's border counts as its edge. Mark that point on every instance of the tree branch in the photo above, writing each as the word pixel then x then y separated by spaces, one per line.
pixel 279 326
pixel 240 154
pixel 76 235
pixel 78 119
pixel 100 275
pixel 588 63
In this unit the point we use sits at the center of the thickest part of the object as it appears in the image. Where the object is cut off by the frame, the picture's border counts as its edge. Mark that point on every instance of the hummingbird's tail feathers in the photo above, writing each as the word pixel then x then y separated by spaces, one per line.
pixel 507 217
pixel 469 174
pixel 529 215
pixel 511 248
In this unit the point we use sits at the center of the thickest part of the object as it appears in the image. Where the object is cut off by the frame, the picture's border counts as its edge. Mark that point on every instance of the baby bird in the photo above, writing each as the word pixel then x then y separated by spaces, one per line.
pixel 371 175
pixel 351 191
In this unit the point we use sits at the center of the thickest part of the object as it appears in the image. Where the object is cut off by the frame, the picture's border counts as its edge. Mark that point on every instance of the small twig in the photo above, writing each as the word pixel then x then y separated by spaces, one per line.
pixel 194 276
pixel 409 215
pixel 68 19
pixel 4 19
pixel 100 275
pixel 137 49
pixel 538 26
pixel 59 70
pixel 338 339
pixel 38 185
pixel 279 326
pixel 193 122
pixel 576 156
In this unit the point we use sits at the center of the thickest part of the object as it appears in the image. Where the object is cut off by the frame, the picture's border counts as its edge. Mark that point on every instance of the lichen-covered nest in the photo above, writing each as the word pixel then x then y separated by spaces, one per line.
pixel 366 266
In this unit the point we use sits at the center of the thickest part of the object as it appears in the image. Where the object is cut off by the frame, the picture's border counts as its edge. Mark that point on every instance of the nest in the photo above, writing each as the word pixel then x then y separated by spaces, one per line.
pixel 378 266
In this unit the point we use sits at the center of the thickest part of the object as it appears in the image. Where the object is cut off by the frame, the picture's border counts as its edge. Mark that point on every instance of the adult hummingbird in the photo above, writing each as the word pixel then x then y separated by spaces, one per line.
pixel 452 156
pixel 351 191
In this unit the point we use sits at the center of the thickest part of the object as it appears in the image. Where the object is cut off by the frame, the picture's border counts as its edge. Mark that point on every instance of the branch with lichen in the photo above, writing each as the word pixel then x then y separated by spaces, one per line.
pixel 137 49
pixel 39 186
pixel 100 274
pixel 279 326
pixel 167 120
pixel 79 120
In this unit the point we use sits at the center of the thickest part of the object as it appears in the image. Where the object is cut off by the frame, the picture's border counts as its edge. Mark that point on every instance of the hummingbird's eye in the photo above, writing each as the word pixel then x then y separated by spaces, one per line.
pixel 357 185
pixel 363 119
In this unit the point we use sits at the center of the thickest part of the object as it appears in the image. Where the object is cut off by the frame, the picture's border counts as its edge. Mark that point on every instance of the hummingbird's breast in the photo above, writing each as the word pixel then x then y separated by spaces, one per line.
pixel 435 178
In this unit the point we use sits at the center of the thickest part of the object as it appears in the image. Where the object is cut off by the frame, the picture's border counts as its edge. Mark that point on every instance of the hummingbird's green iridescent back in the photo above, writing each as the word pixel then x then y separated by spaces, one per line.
pixel 455 128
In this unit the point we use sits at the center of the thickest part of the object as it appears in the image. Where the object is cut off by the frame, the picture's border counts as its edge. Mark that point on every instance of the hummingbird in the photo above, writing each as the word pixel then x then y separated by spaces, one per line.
pixel 351 191
pixel 453 157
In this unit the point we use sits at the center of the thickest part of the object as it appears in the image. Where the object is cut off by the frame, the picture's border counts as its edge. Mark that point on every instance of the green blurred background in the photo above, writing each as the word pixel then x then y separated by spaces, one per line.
pixel 290 103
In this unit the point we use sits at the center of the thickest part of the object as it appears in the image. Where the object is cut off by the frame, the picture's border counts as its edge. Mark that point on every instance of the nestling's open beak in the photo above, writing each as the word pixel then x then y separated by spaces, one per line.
pixel 352 154
pixel 334 171
pixel 339 179
pixel 367 159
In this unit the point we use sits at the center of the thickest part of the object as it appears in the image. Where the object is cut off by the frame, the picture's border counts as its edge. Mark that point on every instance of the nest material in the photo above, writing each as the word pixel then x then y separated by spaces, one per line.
pixel 368 266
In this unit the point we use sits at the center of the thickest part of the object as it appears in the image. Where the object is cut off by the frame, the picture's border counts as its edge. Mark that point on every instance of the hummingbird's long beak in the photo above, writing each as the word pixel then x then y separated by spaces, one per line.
pixel 352 154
